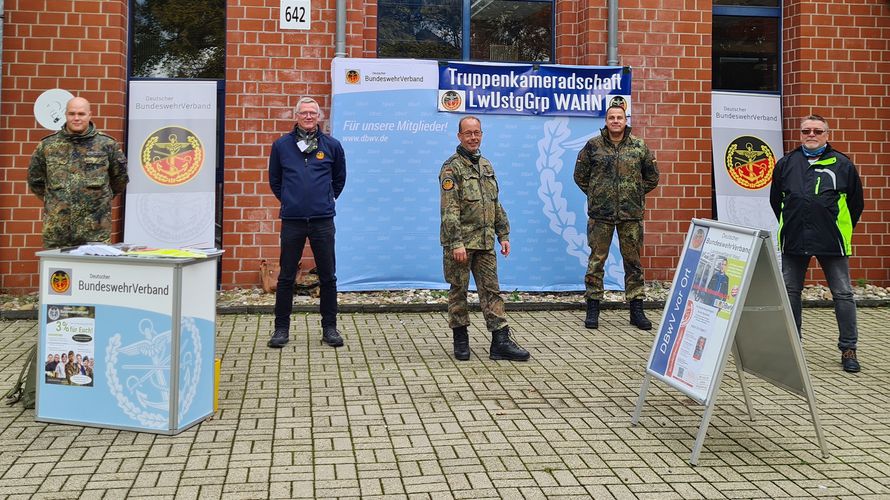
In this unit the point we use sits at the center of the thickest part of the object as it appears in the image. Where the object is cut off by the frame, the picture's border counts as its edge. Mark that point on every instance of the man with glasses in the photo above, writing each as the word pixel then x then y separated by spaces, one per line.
pixel 307 172
pixel 615 170
pixel 472 217
pixel 817 197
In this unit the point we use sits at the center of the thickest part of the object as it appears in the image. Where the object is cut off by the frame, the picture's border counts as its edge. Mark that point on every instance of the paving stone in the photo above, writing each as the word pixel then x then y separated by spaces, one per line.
pixel 393 415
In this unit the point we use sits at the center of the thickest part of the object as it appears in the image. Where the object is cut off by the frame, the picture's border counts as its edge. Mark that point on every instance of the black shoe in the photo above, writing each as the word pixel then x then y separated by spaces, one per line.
pixel 331 336
pixel 279 338
pixel 592 320
pixel 637 317
pixel 503 347
pixel 848 359
pixel 461 343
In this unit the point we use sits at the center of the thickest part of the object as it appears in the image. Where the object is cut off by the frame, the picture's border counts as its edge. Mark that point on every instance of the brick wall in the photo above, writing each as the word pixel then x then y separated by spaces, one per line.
pixel 76 45
pixel 836 63
pixel 668 45
pixel 268 70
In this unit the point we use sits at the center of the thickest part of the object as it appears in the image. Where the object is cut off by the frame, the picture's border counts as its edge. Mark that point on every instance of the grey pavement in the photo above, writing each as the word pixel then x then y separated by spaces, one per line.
pixel 392 414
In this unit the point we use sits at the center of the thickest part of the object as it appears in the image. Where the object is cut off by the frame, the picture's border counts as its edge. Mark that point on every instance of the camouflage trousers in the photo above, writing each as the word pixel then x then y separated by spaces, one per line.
pixel 630 241
pixel 484 265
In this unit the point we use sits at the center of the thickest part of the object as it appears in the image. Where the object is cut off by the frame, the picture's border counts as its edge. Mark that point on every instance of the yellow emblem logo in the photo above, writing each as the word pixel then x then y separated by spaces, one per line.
pixel 451 100
pixel 172 156
pixel 59 281
pixel 319 155
pixel 750 162
pixel 448 184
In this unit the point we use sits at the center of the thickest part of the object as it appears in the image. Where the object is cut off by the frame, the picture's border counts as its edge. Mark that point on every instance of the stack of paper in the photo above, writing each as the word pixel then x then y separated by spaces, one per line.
pixel 96 249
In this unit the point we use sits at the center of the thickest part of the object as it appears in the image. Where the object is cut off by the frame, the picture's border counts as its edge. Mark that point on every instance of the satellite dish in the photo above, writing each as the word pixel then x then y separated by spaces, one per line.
pixel 49 108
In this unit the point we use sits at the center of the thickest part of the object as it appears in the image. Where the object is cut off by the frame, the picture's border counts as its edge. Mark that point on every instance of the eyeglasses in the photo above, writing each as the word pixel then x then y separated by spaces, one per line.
pixel 814 131
pixel 472 133
pixel 309 114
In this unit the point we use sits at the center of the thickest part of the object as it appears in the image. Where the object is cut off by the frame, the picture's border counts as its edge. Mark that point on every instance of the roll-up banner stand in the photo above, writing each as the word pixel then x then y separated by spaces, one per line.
pixel 171 153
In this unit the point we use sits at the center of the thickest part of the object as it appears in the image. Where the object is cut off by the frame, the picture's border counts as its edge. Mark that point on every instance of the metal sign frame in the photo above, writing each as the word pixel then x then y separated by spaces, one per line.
pixel 761 334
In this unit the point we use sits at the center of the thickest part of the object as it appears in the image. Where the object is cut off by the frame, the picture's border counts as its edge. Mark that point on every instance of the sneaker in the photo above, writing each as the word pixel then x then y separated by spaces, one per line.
pixel 279 338
pixel 331 336
pixel 848 359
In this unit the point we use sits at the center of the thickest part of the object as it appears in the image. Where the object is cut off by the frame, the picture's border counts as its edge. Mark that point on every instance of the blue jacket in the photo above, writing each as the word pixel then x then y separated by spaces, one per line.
pixel 307 184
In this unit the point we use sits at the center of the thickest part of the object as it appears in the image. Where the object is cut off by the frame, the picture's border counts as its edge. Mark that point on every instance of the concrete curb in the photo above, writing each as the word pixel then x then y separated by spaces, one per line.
pixel 423 308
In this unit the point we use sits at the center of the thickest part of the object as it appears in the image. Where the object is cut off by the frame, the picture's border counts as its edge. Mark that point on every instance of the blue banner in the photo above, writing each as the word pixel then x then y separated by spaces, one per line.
pixel 525 89
pixel 679 311
pixel 388 219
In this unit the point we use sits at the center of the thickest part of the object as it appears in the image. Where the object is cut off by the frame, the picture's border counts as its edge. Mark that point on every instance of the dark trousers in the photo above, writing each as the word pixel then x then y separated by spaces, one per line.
pixel 837 273
pixel 293 238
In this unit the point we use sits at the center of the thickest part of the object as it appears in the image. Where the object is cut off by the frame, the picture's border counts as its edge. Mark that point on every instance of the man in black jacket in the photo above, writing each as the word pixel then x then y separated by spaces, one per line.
pixel 817 197
pixel 307 172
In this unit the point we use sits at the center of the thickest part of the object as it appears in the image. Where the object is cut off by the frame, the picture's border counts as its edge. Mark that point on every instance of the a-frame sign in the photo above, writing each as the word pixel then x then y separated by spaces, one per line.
pixel 727 294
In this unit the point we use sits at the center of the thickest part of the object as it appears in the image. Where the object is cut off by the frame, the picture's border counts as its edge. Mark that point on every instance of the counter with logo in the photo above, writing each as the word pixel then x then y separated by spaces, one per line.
pixel 126 342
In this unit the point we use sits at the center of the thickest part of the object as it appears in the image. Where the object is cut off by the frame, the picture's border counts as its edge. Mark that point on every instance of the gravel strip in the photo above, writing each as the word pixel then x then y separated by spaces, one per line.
pixel 254 300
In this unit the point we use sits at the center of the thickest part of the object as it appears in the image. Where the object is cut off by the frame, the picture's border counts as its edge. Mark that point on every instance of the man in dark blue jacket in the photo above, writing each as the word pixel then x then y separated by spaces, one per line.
pixel 817 197
pixel 307 172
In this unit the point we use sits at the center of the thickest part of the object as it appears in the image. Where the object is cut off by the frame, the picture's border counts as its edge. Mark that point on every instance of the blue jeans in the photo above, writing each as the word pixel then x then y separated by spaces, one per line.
pixel 293 238
pixel 837 272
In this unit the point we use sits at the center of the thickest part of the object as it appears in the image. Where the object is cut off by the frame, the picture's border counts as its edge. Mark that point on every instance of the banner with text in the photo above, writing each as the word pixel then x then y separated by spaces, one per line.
pixel 525 89
pixel 385 114
pixel 687 350
pixel 747 143
pixel 171 152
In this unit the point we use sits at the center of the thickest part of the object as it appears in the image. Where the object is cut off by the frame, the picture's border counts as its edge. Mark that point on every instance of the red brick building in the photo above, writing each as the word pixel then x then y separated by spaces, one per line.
pixel 834 59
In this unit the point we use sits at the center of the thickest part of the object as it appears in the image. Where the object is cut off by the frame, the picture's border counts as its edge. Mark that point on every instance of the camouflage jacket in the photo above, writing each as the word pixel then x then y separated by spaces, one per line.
pixel 472 214
pixel 76 176
pixel 615 178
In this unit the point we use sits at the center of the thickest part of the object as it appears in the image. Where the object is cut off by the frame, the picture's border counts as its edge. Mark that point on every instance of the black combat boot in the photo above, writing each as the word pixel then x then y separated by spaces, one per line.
pixel 593 314
pixel 637 317
pixel 503 347
pixel 461 343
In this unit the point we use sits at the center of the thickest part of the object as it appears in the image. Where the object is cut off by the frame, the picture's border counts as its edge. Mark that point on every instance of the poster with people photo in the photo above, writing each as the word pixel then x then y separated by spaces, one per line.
pixel 70 345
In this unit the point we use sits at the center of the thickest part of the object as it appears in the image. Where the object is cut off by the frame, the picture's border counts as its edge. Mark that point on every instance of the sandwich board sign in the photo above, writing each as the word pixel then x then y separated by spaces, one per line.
pixel 727 294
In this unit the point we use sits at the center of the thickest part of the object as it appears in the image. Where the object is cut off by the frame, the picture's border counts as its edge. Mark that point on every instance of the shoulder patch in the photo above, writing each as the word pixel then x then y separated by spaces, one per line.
pixel 447 184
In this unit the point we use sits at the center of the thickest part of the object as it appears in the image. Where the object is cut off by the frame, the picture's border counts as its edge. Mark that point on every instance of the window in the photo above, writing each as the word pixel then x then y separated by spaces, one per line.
pixel 178 39
pixel 494 30
pixel 748 3
pixel 746 45
pixel 505 30
pixel 421 29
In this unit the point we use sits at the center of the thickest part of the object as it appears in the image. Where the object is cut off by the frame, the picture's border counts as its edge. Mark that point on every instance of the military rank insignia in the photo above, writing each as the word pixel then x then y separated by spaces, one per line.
pixel 172 156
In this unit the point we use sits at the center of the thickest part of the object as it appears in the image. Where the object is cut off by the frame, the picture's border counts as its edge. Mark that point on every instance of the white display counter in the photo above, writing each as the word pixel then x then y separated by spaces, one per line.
pixel 142 334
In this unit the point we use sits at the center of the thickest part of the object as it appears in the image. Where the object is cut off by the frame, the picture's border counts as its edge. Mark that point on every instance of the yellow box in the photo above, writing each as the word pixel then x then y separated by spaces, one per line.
pixel 216 365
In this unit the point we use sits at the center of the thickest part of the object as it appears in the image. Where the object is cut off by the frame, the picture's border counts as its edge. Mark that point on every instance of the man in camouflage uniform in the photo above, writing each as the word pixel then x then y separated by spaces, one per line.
pixel 76 172
pixel 615 170
pixel 472 216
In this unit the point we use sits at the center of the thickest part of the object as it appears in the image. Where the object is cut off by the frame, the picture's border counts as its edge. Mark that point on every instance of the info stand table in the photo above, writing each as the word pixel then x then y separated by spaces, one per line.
pixel 132 341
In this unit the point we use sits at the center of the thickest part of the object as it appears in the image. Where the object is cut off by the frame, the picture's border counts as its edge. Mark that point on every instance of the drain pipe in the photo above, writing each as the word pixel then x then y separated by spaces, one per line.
pixel 2 18
pixel 613 34
pixel 340 48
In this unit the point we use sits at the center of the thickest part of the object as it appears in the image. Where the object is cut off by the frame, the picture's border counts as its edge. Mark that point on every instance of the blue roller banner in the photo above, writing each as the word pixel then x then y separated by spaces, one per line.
pixel 385 113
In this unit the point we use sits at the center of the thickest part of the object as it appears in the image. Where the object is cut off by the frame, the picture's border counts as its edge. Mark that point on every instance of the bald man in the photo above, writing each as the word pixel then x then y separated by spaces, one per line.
pixel 76 172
